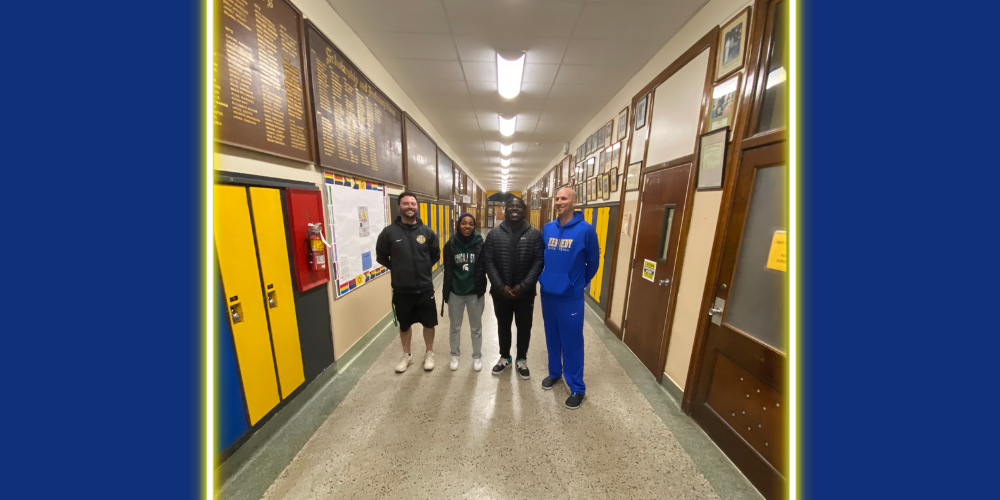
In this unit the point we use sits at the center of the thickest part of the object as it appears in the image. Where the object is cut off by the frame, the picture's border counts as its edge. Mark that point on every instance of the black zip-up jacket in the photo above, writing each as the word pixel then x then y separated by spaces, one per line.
pixel 479 278
pixel 512 263
pixel 400 249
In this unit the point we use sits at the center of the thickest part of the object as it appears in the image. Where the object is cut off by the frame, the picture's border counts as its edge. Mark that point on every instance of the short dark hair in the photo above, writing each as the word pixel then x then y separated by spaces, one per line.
pixel 512 198
pixel 404 194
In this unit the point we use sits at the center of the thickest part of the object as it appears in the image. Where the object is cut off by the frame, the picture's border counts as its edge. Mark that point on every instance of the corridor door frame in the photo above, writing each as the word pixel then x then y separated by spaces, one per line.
pixel 707 42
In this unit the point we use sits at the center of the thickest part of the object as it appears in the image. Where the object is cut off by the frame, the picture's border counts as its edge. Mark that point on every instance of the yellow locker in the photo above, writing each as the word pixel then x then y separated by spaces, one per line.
pixel 272 247
pixel 601 226
pixel 423 213
pixel 241 282
pixel 434 227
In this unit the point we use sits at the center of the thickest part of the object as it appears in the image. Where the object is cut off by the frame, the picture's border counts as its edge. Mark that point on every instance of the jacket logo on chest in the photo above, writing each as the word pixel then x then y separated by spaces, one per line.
pixel 560 244
pixel 421 239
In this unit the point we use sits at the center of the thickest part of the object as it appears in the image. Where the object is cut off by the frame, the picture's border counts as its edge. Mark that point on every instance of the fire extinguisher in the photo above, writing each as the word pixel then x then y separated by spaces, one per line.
pixel 317 248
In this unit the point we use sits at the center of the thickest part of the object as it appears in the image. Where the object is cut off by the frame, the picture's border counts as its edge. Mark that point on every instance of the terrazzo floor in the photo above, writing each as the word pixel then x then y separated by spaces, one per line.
pixel 463 434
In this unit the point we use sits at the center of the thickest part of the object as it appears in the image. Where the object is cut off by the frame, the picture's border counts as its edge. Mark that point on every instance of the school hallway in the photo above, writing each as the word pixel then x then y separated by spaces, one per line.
pixel 463 434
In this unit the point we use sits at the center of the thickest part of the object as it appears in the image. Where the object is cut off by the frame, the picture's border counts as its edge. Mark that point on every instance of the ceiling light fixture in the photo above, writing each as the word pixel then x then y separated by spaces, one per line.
pixel 509 76
pixel 505 149
pixel 507 125
pixel 504 170
pixel 504 162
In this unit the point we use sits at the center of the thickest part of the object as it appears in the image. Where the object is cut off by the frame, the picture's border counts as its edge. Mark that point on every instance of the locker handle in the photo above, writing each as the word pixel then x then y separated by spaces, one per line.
pixel 272 302
pixel 236 312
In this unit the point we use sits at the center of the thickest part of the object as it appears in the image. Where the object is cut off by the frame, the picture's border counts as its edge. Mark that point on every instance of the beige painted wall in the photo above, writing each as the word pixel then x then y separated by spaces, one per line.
pixel 694 270
pixel 622 267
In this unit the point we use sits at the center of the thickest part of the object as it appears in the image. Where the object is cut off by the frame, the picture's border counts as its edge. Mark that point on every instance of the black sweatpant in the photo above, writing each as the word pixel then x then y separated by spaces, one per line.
pixel 520 310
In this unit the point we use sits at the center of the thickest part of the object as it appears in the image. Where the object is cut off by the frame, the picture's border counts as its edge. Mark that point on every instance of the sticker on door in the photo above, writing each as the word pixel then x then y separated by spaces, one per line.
pixel 776 258
pixel 648 269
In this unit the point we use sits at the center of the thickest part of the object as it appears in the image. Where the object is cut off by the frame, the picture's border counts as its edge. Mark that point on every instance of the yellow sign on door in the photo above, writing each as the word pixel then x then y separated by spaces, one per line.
pixel 648 269
pixel 777 258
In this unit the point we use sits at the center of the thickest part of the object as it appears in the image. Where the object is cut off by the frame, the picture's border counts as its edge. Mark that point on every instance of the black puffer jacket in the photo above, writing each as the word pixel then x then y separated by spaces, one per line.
pixel 504 269
pixel 409 251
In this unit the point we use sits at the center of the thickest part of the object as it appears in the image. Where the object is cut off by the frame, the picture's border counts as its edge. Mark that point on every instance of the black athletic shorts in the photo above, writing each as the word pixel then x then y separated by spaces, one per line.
pixel 415 308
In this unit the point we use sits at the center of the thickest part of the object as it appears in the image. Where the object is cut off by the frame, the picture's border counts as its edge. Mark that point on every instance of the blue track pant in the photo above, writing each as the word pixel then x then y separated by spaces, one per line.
pixel 564 339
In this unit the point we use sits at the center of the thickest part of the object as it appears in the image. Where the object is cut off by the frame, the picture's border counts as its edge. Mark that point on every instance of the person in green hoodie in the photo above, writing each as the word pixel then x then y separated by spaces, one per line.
pixel 465 287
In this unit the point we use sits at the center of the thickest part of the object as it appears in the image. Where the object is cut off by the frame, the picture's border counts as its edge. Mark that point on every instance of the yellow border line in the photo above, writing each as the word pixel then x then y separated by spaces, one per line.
pixel 793 225
pixel 209 262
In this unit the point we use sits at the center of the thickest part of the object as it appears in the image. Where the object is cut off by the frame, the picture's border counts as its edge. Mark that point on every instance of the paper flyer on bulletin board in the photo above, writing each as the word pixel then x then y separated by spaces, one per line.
pixel 358 211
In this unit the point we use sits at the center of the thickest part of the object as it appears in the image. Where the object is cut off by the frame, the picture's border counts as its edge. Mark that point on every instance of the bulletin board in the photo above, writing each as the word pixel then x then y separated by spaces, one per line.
pixel 358 211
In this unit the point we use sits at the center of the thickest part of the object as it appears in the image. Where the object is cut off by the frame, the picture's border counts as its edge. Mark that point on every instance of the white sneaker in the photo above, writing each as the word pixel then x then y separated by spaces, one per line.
pixel 454 363
pixel 404 363
pixel 429 361
pixel 477 364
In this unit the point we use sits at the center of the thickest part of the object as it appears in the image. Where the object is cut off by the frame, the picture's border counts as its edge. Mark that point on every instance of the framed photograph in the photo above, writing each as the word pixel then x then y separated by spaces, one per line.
pixel 606 180
pixel 732 45
pixel 623 123
pixel 600 139
pixel 600 186
pixel 712 148
pixel 616 154
pixel 608 131
pixel 591 167
pixel 632 176
pixel 722 110
pixel 601 159
pixel 614 180
pixel 607 160
pixel 592 189
pixel 640 112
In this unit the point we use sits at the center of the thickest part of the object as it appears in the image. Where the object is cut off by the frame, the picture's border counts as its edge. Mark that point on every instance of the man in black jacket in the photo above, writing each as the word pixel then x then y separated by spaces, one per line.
pixel 408 248
pixel 513 256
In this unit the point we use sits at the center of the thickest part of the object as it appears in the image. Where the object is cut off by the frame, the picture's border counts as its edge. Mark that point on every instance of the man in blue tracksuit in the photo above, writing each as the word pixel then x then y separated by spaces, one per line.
pixel 572 255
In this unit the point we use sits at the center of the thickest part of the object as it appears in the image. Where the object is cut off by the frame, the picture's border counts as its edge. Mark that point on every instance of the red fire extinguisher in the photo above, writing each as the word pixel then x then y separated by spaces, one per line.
pixel 317 248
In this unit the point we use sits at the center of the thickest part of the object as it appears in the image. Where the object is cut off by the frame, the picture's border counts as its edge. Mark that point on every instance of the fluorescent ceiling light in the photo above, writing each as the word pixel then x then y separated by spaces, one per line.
pixel 504 170
pixel 504 162
pixel 507 125
pixel 505 149
pixel 509 76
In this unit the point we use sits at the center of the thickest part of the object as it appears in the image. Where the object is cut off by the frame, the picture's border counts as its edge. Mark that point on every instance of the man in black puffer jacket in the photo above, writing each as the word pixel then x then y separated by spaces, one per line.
pixel 513 256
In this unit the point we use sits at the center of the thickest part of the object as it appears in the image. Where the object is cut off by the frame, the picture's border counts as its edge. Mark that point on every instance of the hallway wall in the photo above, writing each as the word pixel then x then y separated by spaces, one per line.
pixel 356 313
pixel 706 204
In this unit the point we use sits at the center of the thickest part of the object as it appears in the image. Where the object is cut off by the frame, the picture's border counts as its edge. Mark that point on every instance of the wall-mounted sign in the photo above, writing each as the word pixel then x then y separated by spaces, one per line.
pixel 648 269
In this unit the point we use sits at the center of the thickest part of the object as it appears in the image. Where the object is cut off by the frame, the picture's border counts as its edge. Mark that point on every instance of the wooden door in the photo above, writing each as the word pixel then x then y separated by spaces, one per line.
pixel 663 199
pixel 739 399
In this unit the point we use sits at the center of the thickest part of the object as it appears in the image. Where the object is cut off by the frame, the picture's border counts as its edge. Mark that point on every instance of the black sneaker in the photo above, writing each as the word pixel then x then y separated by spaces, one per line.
pixel 549 382
pixel 522 369
pixel 574 400
pixel 501 365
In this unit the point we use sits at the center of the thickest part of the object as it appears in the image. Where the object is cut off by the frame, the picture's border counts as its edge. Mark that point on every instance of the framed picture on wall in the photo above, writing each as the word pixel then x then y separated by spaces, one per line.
pixel 600 187
pixel 712 148
pixel 616 155
pixel 601 159
pixel 614 180
pixel 600 139
pixel 606 180
pixel 640 112
pixel 632 176
pixel 608 131
pixel 722 110
pixel 607 159
pixel 592 189
pixel 623 123
pixel 591 167
pixel 732 45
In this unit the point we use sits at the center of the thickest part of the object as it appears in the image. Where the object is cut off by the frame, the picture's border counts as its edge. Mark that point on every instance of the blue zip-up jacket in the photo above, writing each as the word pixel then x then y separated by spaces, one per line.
pixel 572 255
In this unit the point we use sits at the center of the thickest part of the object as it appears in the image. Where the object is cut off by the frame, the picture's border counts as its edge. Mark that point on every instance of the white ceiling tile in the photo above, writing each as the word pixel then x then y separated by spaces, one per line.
pixel 635 21
pixel 414 16
pixel 483 88
pixel 539 73
pixel 413 46
pixel 480 71
pixel 610 52
pixel 503 17
pixel 421 69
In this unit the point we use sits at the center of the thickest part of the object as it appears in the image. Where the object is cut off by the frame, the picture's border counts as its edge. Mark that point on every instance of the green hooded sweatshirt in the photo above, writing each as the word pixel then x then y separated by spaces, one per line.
pixel 463 282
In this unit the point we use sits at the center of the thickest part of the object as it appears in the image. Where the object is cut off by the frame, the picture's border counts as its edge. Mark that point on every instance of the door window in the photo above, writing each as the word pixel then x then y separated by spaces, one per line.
pixel 757 300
